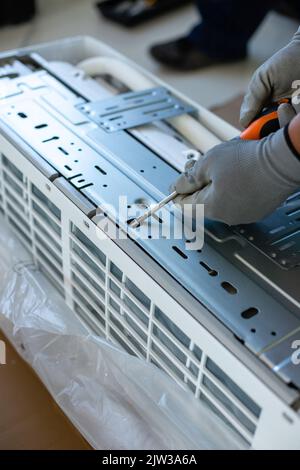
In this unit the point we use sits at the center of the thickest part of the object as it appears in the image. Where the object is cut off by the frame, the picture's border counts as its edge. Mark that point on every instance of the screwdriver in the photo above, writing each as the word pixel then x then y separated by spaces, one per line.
pixel 139 220
pixel 191 155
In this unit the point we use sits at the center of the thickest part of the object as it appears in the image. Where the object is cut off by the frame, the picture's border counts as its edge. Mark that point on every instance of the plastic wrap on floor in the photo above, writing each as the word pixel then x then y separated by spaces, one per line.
pixel 115 400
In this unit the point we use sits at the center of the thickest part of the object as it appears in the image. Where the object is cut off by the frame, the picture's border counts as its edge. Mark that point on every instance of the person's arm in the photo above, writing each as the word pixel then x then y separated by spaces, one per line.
pixel 241 182
pixel 294 133
pixel 272 81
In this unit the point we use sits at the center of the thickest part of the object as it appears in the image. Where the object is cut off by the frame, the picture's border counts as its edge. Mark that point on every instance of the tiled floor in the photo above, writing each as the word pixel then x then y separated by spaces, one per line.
pixel 61 18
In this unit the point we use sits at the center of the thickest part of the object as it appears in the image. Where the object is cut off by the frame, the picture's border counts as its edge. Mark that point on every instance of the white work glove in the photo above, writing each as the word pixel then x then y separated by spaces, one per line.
pixel 272 81
pixel 240 181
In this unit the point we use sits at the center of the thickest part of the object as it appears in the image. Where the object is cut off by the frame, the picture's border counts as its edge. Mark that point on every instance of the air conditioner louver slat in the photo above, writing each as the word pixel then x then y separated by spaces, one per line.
pixel 130 323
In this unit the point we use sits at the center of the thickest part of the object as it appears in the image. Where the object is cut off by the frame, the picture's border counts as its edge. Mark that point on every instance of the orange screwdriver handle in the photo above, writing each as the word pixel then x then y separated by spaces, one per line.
pixel 266 123
pixel 261 127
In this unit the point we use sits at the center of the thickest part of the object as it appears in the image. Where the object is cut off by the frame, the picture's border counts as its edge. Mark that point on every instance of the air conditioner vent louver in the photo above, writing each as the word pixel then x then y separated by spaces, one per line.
pixel 14 200
pixel 46 221
pixel 113 304
pixel 34 219
pixel 232 387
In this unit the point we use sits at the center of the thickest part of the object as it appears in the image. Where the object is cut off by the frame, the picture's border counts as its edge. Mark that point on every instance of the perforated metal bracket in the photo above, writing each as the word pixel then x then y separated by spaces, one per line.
pixel 135 109
pixel 278 236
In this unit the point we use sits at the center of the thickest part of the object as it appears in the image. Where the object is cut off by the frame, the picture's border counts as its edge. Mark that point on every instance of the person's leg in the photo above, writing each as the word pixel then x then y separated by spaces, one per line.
pixel 222 36
pixel 227 26
pixel 289 8
pixel 295 7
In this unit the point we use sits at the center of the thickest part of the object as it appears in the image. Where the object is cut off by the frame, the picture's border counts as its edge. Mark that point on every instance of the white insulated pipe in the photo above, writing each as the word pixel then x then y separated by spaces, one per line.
pixel 132 78
pixel 189 127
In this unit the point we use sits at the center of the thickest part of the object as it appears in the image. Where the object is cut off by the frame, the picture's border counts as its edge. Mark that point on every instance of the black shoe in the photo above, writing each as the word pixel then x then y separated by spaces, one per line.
pixel 181 54
pixel 13 12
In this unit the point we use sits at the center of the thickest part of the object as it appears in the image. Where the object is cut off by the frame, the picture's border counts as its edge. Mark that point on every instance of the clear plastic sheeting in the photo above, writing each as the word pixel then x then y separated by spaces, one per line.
pixel 115 400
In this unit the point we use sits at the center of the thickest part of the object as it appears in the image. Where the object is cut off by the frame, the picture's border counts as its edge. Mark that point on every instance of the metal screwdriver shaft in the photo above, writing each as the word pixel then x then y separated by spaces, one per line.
pixel 139 220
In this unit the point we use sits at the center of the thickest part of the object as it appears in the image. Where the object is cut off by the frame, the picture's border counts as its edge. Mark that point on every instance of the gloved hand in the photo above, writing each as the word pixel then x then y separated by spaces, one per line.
pixel 272 81
pixel 242 181
pixel 286 112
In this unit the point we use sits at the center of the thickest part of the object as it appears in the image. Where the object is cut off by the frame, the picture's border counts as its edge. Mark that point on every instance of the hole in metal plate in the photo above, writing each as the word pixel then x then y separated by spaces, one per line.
pixel 41 126
pixel 229 288
pixel 55 137
pixel 211 272
pixel 179 252
pixel 101 170
pixel 63 150
pixel 249 313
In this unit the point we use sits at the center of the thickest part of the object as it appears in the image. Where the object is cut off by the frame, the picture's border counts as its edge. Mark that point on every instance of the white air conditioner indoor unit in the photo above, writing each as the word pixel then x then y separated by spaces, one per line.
pixel 221 321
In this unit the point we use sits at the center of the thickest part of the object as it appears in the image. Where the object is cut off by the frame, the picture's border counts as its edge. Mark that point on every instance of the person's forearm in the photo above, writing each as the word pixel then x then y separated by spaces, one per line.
pixel 294 133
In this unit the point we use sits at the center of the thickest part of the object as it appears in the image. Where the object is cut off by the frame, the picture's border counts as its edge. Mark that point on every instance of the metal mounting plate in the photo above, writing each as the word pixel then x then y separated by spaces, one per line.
pixel 278 236
pixel 102 166
pixel 135 109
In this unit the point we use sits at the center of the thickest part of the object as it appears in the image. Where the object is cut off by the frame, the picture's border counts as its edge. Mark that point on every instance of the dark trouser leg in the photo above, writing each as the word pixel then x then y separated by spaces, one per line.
pixel 289 8
pixel 227 26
